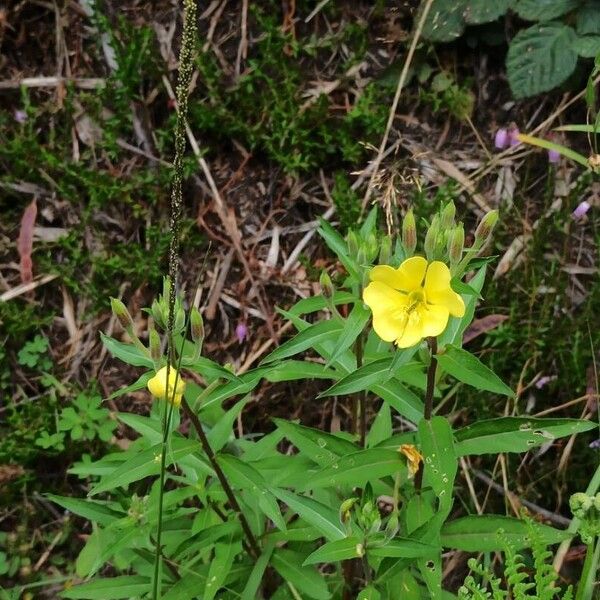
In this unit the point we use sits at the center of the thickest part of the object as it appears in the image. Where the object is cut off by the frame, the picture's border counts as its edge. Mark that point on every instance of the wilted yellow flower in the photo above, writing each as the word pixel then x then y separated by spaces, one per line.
pixel 172 392
pixel 413 458
pixel 411 302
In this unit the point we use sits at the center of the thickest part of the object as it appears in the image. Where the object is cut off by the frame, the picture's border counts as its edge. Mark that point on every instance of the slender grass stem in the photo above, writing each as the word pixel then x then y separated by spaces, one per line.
pixel 254 547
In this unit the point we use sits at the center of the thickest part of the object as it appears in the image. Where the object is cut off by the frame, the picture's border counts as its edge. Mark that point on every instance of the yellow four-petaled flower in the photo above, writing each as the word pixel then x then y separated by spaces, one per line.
pixel 173 391
pixel 411 302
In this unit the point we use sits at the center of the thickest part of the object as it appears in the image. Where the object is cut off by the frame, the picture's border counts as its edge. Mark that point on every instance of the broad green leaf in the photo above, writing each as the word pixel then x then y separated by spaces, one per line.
pixel 307 580
pixel 246 477
pixel 138 385
pixel 306 339
pixel 337 551
pixel 437 446
pixel 144 464
pixel 431 571
pixel 543 10
pixel 322 517
pixel 445 20
pixel 353 326
pixel 291 370
pixel 587 46
pixel 358 468
pixel 128 353
pixel 110 588
pixel 588 18
pixel 321 447
pixel 514 434
pixel 540 58
pixel 97 512
pixel 479 533
pixel 316 303
pixel 402 548
pixel 467 368
pixel 339 247
pixel 484 11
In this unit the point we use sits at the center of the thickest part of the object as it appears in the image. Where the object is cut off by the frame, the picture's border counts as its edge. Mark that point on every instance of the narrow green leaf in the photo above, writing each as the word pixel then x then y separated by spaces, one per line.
pixel 128 353
pixel 338 245
pixel 318 515
pixel 260 566
pixel 144 464
pixel 306 579
pixel 514 434
pixel 306 339
pixel 110 588
pixel 316 303
pixel 402 548
pixel 337 551
pixel 370 593
pixel 291 370
pixel 222 430
pixel 211 370
pixel 220 566
pixel 98 512
pixel 134 387
pixel 381 428
pixel 468 369
pixel 479 533
pixel 353 326
pixel 244 384
pixel 358 468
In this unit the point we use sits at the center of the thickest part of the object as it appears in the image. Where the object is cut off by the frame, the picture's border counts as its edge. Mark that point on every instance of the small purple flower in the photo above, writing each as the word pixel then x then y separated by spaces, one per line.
pixel 595 444
pixel 545 380
pixel 501 139
pixel 581 210
pixel 241 331
pixel 20 116
pixel 553 156
pixel 513 136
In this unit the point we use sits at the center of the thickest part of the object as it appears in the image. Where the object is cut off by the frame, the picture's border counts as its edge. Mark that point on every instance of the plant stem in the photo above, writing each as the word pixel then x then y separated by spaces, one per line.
pixel 428 410
pixel 254 547
pixel 361 406
pixel 585 589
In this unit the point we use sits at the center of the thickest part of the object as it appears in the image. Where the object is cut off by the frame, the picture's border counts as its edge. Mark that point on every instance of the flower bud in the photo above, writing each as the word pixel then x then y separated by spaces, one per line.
pixel 155 349
pixel 120 311
pixel 346 509
pixel 409 233
pixel 448 215
pixel 371 247
pixel 170 390
pixel 456 243
pixel 196 325
pixel 157 314
pixel 385 250
pixel 580 503
pixel 486 226
pixel 352 242
pixel 326 284
pixel 431 237
pixel 501 140
pixel 392 526
pixel 361 256
pixel 594 162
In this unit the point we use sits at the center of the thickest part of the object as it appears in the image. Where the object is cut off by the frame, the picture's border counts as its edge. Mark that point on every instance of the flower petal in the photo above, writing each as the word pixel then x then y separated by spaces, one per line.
pixel 434 319
pixel 413 332
pixel 386 274
pixel 387 306
pixel 411 272
pixel 449 299
pixel 438 290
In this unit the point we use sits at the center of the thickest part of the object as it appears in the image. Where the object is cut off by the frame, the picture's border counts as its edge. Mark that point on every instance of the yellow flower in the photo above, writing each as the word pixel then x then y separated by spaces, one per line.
pixel 413 458
pixel 411 302
pixel 172 392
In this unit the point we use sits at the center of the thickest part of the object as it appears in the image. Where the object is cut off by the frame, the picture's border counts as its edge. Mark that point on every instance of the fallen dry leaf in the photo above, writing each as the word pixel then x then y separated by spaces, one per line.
pixel 25 241
pixel 479 326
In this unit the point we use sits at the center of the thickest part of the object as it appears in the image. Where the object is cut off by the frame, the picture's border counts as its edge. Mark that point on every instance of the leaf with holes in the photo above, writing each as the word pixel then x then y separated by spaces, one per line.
pixel 540 58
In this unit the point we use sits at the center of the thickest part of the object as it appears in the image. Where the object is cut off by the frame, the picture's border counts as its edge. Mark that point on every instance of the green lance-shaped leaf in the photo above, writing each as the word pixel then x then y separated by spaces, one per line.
pixel 110 588
pixel 307 338
pixel 468 369
pixel 139 384
pixel 306 579
pixel 358 468
pixel 339 247
pixel 540 58
pixel 402 548
pixel 320 516
pixel 128 353
pixel 479 533
pixel 337 551
pixel 220 566
pixel 437 447
pixel 353 326
pixel 514 434
pixel 292 370
pixel 102 513
pixel 319 302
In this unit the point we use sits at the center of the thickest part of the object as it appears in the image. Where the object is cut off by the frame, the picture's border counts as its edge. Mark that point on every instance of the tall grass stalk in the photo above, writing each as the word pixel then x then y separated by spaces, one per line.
pixel 183 84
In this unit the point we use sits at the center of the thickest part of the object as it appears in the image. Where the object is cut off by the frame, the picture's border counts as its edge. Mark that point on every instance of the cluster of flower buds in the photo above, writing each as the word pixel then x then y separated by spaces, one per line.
pixel 587 509
pixel 160 310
